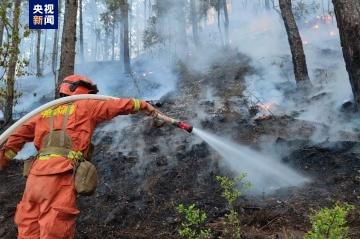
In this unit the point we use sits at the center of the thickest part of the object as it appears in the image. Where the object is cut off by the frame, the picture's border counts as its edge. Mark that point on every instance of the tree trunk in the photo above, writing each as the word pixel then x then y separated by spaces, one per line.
pixel 1 32
pixel 105 48
pixel 97 40
pixel 32 51
pixel 226 14
pixel 44 53
pixel 122 44
pixel 194 22
pixel 150 9
pixel 181 34
pixel 38 44
pixel 2 25
pixel 267 4
pixel 68 41
pixel 82 54
pixel 138 33
pixel 14 54
pixel 296 46
pixel 54 57
pixel 348 20
pixel 145 13
pixel 125 21
pixel 113 42
pixel 219 21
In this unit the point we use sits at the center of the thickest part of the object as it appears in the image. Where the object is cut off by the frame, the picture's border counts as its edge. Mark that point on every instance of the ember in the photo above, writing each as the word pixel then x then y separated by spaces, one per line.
pixel 332 33
pixel 266 108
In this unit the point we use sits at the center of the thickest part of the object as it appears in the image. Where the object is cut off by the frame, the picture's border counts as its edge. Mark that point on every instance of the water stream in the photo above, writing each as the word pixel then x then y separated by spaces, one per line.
pixel 263 171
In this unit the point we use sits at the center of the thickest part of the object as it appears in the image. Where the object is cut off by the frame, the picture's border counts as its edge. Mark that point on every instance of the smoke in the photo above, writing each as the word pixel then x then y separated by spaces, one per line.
pixel 254 31
pixel 262 36
pixel 265 173
pixel 110 133
pixel 34 92
pixel 26 152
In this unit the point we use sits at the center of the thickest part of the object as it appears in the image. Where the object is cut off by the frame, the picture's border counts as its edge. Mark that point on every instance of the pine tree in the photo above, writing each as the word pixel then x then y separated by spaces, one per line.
pixel 348 19
pixel 14 54
pixel 125 22
pixel 82 54
pixel 3 4
pixel 67 58
pixel 38 59
pixel 194 22
pixel 296 46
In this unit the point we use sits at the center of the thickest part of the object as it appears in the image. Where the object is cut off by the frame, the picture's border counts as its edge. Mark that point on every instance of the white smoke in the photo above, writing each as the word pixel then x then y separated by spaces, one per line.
pixel 264 172
pixel 26 152
pixel 257 32
pixel 262 36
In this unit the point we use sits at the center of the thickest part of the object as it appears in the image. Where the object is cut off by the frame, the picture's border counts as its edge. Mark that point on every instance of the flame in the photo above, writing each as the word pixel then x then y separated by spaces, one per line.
pixel 268 107
pixel 316 22
pixel 327 19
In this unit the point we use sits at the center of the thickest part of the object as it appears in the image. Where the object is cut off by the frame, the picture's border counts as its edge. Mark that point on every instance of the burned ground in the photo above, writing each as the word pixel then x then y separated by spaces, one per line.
pixel 145 171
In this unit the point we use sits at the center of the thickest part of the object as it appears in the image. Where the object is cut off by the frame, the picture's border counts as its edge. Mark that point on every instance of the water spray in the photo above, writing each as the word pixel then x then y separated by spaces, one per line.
pixel 264 172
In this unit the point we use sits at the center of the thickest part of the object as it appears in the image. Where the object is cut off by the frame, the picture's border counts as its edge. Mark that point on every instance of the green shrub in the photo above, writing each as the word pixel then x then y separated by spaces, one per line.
pixel 231 193
pixel 329 223
pixel 191 227
pixel 232 226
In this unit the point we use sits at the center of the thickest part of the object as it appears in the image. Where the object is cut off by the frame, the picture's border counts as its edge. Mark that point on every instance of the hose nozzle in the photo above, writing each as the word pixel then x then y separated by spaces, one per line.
pixel 185 126
pixel 180 124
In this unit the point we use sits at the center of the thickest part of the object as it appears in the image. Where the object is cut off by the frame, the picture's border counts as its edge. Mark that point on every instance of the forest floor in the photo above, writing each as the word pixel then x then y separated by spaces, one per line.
pixel 145 172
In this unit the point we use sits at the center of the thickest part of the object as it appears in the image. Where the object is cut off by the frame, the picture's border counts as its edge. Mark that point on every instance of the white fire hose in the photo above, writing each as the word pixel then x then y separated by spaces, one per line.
pixel 5 135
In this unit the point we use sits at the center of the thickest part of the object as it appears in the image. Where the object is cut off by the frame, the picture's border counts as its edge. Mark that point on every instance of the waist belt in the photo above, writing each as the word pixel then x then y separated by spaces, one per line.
pixel 50 152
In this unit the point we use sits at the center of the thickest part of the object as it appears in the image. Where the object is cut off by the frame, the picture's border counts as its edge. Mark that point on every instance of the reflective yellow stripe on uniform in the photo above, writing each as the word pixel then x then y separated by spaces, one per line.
pixel 73 155
pixel 9 154
pixel 48 156
pixel 60 110
pixel 136 104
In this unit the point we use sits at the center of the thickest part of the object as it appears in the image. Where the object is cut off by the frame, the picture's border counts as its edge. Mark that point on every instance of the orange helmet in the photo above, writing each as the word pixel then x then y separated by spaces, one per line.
pixel 77 84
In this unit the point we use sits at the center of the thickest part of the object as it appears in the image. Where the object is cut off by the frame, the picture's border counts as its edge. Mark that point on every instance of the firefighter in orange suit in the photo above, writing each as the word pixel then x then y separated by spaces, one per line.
pixel 48 207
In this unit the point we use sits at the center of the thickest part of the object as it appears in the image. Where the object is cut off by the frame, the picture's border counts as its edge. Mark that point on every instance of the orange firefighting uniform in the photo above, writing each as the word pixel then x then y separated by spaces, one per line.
pixel 48 207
